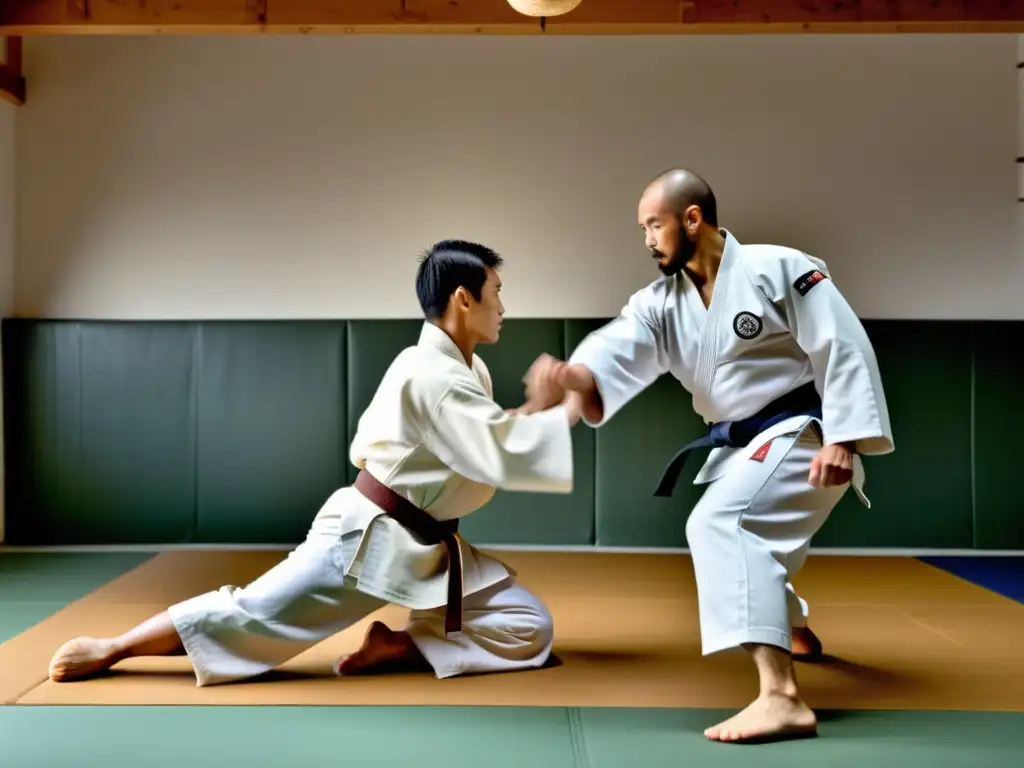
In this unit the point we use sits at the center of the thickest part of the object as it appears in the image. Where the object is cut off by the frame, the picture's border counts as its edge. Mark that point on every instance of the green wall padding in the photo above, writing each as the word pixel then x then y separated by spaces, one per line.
pixel 998 424
pixel 141 432
pixel 42 419
pixel 631 451
pixel 137 434
pixel 529 518
pixel 921 493
pixel 372 345
pixel 271 437
pixel 100 433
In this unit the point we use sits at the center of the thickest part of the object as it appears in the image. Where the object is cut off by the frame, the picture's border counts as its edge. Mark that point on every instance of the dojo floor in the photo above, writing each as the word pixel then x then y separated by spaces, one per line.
pixel 926 664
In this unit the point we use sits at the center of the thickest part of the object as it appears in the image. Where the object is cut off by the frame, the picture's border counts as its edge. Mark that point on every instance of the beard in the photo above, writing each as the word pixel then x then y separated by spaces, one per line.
pixel 674 263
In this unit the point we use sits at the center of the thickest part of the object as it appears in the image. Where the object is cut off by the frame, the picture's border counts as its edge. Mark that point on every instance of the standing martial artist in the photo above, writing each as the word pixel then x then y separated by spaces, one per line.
pixel 781 369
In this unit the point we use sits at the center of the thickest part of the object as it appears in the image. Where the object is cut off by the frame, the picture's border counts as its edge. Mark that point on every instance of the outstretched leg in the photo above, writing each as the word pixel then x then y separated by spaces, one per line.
pixel 86 657
pixel 745 535
pixel 504 627
pixel 231 634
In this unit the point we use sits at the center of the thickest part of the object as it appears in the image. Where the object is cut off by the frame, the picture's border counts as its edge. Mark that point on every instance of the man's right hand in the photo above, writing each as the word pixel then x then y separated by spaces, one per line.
pixel 548 371
pixel 549 379
pixel 544 388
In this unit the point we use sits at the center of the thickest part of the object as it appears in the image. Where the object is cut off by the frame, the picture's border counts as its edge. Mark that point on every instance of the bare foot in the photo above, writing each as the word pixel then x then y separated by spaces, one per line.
pixel 382 650
pixel 806 645
pixel 768 717
pixel 81 658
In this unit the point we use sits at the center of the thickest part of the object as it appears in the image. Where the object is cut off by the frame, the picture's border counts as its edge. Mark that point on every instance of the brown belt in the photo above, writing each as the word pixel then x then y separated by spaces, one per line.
pixel 426 527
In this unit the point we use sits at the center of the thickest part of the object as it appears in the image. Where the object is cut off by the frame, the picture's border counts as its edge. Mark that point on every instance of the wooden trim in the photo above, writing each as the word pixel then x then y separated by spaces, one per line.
pixel 591 17
pixel 12 82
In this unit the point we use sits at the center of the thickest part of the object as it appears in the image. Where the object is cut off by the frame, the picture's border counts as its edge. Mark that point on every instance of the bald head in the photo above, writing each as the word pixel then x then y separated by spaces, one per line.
pixel 679 189
pixel 676 211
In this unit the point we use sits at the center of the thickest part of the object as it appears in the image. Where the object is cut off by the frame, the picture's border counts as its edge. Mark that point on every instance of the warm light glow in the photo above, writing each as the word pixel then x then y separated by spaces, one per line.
pixel 543 7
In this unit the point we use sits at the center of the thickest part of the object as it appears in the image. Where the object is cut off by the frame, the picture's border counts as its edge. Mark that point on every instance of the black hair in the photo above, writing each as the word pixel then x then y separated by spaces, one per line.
pixel 448 265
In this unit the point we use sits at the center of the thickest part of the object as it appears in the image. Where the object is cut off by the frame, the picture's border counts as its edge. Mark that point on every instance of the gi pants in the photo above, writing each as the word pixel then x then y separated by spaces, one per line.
pixel 749 535
pixel 236 633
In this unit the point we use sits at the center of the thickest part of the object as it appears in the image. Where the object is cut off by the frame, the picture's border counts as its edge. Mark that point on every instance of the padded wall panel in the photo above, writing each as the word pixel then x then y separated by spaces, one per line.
pixel 42 430
pixel 372 346
pixel 136 473
pixel 998 423
pixel 531 518
pixel 921 494
pixel 100 430
pixel 632 450
pixel 271 441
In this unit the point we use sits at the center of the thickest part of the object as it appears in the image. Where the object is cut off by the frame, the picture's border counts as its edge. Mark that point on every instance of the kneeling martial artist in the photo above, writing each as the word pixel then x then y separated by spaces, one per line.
pixel 432 447
pixel 782 370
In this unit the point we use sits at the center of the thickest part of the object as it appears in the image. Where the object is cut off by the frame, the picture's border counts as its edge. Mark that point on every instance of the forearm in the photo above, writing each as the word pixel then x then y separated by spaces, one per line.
pixel 477 439
pixel 584 398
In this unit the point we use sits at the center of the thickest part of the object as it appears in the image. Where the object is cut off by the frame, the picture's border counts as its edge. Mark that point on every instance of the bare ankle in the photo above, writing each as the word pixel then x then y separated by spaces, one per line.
pixel 404 639
pixel 119 651
pixel 776 672
pixel 788 691
pixel 157 636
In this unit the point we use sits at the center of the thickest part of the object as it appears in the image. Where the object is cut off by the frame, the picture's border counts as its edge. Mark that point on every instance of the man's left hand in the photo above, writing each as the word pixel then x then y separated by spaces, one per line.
pixel 832 466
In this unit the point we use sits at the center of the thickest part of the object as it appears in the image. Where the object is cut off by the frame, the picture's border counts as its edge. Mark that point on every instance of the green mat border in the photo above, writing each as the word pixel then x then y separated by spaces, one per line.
pixel 35 585
pixel 497 737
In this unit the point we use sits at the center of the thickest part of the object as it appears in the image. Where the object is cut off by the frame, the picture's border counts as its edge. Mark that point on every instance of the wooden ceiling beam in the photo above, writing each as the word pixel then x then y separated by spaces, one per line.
pixel 145 17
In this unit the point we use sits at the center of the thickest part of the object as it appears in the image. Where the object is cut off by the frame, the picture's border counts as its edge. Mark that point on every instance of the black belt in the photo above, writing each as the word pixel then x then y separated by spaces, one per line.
pixel 803 401
pixel 425 526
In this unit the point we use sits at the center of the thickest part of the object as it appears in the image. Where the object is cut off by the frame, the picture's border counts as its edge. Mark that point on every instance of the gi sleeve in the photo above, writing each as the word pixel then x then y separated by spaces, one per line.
pixel 473 436
pixel 626 355
pixel 845 368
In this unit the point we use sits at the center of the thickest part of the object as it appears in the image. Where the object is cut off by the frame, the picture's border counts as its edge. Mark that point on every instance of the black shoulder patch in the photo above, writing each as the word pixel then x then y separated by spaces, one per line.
pixel 808 280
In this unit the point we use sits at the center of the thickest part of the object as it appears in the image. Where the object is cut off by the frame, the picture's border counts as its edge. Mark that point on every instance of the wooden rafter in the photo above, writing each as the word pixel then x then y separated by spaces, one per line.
pixel 12 82
pixel 68 17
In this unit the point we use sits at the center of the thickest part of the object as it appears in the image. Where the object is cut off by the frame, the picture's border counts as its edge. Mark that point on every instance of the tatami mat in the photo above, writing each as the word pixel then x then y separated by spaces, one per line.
pixel 498 737
pixel 906 636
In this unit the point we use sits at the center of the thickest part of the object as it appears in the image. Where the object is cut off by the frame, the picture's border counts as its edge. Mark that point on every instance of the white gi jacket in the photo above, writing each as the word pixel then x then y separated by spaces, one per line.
pixel 775 321
pixel 434 434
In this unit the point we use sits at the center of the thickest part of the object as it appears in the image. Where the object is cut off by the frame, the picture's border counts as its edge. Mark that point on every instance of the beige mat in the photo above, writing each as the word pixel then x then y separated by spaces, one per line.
pixel 906 636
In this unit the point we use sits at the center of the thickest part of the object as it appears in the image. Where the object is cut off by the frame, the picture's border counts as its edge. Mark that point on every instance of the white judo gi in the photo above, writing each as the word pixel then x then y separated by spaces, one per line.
pixel 433 434
pixel 776 321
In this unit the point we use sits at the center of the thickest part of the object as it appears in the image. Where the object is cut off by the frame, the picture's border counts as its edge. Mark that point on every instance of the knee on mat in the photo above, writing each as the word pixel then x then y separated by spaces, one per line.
pixel 530 628
pixel 543 634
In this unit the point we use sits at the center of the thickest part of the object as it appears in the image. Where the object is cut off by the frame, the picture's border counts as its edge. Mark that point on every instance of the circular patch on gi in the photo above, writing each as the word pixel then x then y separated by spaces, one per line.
pixel 747 325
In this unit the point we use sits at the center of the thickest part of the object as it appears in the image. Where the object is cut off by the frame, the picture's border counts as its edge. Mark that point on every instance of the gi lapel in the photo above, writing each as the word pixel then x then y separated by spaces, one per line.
pixel 709 346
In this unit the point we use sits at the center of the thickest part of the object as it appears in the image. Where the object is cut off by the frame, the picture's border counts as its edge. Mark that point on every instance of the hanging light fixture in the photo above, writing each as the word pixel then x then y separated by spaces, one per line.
pixel 543 8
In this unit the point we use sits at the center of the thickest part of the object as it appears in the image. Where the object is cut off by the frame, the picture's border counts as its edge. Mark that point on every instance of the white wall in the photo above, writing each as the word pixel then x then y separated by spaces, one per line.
pixel 176 177
pixel 1020 142
pixel 7 114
